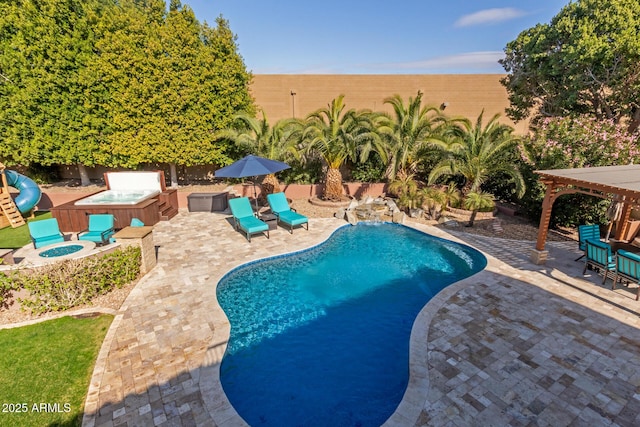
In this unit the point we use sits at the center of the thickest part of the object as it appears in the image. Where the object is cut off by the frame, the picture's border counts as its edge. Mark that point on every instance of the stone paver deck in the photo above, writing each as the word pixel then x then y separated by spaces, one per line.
pixel 517 344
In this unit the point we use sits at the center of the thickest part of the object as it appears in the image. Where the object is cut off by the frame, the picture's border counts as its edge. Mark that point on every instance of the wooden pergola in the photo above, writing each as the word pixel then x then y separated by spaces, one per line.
pixel 615 183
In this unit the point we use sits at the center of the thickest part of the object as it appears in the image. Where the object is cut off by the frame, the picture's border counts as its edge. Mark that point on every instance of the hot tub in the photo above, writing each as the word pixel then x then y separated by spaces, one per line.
pixel 129 195
pixel 117 197
pixel 126 188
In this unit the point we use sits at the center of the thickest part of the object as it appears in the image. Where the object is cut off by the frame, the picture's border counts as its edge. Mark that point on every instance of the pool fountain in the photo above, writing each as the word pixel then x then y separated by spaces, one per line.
pixel 370 209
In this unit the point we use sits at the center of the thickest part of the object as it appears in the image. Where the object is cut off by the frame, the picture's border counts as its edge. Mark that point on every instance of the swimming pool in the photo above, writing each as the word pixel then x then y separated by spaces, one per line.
pixel 321 337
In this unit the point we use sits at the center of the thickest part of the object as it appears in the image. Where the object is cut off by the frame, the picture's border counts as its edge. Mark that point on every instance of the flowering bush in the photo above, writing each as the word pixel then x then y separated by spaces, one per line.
pixel 574 142
pixel 582 141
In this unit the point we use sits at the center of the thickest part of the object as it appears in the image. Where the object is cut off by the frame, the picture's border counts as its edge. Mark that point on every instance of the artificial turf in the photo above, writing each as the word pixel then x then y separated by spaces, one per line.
pixel 15 238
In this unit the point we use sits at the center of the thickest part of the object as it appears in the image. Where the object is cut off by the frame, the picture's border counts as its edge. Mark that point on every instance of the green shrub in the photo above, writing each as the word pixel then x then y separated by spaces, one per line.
pixel 7 286
pixel 308 173
pixel 370 171
pixel 43 174
pixel 69 283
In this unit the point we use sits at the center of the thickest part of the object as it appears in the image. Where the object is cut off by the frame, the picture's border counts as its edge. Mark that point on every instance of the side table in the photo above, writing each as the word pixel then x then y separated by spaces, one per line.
pixel 271 220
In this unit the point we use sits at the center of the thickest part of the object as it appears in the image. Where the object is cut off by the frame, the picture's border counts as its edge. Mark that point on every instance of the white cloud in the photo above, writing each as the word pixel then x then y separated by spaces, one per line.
pixel 469 60
pixel 489 16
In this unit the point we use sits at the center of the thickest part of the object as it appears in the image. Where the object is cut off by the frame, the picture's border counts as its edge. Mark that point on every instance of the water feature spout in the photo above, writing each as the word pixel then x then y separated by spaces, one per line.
pixel 371 210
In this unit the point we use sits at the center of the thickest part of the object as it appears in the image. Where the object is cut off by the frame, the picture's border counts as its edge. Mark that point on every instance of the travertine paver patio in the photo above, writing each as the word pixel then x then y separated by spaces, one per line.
pixel 516 344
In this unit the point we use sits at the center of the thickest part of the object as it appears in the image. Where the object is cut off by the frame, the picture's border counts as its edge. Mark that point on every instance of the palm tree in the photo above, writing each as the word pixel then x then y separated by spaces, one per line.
pixel 405 187
pixel 477 153
pixel 410 129
pixel 433 200
pixel 476 201
pixel 278 142
pixel 337 135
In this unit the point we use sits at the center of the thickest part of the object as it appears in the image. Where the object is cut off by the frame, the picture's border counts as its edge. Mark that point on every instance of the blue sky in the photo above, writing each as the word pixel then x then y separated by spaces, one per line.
pixel 374 36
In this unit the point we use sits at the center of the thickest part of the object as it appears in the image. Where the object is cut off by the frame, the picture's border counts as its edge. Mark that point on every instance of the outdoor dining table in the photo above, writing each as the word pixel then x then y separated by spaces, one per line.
pixel 616 246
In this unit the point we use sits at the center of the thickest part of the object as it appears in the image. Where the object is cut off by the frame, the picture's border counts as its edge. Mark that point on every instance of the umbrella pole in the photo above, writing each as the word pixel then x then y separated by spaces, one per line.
pixel 255 194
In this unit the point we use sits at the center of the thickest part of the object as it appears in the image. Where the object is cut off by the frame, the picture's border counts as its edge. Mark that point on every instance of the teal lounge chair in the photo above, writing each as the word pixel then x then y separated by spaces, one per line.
pixel 627 268
pixel 45 232
pixel 100 229
pixel 245 219
pixel 281 209
pixel 599 256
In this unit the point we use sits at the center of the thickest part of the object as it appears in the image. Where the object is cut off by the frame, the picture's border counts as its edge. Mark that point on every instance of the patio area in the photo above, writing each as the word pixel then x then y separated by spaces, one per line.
pixel 517 344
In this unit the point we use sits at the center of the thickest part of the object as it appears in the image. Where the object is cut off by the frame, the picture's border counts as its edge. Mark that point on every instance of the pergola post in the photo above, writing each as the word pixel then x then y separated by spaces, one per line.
pixel 623 223
pixel 539 254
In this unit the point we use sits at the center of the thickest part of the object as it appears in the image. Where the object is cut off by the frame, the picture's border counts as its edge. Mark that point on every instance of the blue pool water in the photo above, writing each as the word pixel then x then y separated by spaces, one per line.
pixel 321 337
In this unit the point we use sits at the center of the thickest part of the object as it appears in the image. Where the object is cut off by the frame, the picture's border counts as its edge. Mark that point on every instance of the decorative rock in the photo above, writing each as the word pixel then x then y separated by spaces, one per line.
pixel 339 213
pixel 367 201
pixel 351 217
pixel 354 204
pixel 398 217
pixel 415 213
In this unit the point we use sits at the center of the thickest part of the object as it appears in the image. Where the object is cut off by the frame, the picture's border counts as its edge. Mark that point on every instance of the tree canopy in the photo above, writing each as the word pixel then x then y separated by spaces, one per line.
pixel 585 61
pixel 47 108
pixel 116 83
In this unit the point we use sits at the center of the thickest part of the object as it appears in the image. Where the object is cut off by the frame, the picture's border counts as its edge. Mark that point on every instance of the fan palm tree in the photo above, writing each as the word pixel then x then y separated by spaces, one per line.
pixel 433 201
pixel 337 135
pixel 279 142
pixel 476 201
pixel 477 153
pixel 410 129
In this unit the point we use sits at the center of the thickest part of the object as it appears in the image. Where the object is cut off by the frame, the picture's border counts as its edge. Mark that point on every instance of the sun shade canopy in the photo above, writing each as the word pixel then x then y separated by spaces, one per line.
pixel 251 166
pixel 622 180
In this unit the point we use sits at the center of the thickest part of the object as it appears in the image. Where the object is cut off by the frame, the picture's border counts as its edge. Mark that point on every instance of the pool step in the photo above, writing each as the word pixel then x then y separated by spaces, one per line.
pixel 10 211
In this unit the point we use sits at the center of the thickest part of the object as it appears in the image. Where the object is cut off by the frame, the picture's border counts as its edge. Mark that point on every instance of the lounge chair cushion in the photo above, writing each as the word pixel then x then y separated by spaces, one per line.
pixel 281 209
pixel 48 240
pixel 252 225
pixel 278 202
pixel 45 232
pixel 245 219
pixel 293 218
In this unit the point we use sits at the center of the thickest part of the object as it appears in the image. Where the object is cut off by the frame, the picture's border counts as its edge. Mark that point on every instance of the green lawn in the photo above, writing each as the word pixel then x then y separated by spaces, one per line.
pixel 15 238
pixel 45 370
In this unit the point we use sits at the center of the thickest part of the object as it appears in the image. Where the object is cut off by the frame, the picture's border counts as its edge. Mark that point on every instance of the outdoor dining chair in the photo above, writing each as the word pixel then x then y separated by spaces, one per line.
pixel 599 256
pixel 627 268
pixel 587 231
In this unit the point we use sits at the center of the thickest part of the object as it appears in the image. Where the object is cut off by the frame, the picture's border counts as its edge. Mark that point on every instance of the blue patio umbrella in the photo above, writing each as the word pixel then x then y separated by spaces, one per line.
pixel 253 166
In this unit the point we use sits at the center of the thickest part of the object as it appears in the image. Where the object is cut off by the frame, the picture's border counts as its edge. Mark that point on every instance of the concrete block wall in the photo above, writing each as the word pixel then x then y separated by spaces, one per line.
pixel 296 95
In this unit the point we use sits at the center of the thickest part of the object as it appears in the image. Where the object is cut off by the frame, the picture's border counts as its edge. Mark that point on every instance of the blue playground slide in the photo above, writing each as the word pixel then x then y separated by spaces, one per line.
pixel 29 191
